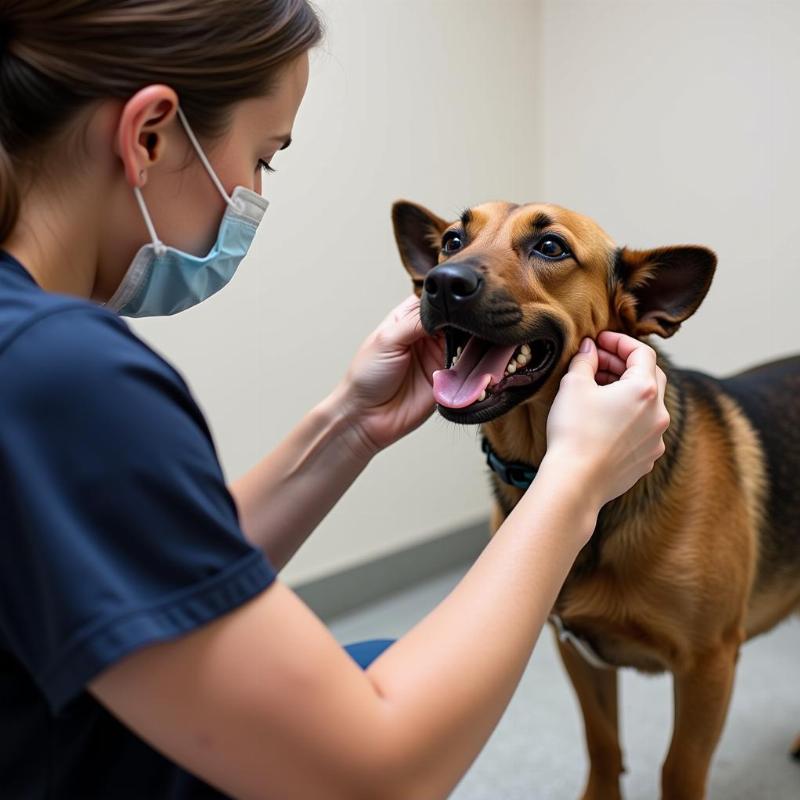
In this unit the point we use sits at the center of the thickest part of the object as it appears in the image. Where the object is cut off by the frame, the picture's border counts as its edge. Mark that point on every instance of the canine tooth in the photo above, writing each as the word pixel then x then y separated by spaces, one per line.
pixel 522 360
pixel 512 366
pixel 458 350
pixel 525 349
pixel 482 395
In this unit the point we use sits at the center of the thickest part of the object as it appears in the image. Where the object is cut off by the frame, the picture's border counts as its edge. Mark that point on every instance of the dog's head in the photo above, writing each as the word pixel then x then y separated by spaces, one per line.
pixel 516 288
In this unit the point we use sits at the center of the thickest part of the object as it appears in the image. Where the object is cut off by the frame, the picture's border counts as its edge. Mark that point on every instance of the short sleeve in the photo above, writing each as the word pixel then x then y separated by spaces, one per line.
pixel 116 527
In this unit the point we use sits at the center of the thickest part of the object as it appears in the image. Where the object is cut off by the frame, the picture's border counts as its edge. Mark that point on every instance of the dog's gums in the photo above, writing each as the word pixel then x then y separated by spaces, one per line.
pixel 482 380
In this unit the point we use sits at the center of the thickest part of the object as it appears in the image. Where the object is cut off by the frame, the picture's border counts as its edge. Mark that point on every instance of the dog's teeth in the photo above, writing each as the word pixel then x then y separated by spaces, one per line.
pixel 482 395
pixel 525 349
pixel 522 360
pixel 458 351
pixel 512 366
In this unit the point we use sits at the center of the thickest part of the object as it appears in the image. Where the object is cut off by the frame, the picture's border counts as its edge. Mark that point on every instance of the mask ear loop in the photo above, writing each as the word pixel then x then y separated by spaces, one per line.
pixel 202 156
pixel 158 245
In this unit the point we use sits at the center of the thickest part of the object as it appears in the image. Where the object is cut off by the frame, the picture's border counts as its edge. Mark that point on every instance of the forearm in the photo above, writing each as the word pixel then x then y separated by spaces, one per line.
pixel 284 497
pixel 448 681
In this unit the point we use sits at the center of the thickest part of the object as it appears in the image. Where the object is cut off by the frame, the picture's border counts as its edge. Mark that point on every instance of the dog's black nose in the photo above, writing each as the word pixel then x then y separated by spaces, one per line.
pixel 450 284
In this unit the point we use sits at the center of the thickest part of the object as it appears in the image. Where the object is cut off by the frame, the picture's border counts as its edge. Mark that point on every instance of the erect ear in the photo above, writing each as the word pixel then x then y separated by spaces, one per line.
pixel 658 289
pixel 418 233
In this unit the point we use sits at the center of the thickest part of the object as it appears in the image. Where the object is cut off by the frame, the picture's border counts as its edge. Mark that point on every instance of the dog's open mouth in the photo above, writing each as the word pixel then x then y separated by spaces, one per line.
pixel 481 376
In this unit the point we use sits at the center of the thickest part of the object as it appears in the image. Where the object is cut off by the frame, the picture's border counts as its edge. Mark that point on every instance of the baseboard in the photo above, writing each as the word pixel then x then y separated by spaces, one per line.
pixel 350 588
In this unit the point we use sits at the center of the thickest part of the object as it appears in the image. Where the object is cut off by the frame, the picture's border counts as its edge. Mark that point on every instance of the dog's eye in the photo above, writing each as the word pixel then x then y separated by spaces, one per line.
pixel 551 247
pixel 451 242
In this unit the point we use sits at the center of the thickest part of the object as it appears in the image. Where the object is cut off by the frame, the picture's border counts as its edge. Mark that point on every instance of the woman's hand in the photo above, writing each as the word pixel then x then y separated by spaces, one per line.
pixel 608 418
pixel 388 388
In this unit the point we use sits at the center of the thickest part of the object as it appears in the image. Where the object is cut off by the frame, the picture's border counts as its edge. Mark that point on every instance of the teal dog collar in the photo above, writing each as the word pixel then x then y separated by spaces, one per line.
pixel 514 473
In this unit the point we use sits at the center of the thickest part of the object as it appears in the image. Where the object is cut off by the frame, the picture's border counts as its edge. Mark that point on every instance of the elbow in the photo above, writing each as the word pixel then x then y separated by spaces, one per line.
pixel 402 767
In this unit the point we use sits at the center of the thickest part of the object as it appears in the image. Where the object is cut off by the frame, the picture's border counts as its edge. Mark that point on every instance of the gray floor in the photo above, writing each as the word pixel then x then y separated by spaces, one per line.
pixel 537 749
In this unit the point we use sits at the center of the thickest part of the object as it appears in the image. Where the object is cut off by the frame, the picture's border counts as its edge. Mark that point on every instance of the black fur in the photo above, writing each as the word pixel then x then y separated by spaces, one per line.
pixel 540 222
pixel 769 395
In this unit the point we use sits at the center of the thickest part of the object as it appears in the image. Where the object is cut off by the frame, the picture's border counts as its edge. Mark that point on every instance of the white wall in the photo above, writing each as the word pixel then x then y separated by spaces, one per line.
pixel 678 121
pixel 666 121
pixel 434 101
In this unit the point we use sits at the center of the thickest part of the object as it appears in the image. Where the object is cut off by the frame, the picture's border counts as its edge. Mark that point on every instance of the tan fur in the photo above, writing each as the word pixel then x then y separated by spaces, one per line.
pixel 673 586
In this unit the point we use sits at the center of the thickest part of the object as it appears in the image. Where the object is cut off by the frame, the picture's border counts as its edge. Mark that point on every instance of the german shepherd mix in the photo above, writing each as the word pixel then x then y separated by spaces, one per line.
pixel 704 551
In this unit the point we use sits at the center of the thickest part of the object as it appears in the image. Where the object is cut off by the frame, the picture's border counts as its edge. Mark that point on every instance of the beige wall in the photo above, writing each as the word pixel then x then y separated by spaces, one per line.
pixel 667 121
pixel 427 100
pixel 678 122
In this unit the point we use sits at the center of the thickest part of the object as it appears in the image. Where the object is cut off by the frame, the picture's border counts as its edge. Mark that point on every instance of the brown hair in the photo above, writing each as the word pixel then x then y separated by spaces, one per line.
pixel 57 56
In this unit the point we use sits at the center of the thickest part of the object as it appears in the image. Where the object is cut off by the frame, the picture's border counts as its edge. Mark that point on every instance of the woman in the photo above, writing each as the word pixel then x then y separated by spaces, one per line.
pixel 147 649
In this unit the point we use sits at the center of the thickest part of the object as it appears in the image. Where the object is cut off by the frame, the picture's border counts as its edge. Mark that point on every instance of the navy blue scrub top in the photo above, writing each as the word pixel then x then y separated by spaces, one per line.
pixel 116 531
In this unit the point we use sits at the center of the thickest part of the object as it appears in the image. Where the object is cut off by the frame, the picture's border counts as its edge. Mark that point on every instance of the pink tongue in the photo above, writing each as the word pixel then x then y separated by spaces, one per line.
pixel 480 364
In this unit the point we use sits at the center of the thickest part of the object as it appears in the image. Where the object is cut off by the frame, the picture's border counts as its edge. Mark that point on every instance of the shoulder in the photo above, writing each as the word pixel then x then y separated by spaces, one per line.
pixel 75 346
pixel 76 370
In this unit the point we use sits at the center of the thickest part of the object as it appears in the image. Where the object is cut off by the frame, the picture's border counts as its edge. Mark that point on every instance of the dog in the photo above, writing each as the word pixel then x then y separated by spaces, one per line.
pixel 703 552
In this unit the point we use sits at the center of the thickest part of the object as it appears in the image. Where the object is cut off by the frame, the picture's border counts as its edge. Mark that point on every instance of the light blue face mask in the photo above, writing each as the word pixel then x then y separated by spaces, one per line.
pixel 163 280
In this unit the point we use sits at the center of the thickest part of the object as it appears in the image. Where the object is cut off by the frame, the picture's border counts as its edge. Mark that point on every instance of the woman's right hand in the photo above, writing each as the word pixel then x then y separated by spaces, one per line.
pixel 607 421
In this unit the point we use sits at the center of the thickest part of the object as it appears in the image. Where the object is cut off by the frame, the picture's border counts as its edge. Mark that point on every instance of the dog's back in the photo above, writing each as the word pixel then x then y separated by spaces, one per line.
pixel 769 396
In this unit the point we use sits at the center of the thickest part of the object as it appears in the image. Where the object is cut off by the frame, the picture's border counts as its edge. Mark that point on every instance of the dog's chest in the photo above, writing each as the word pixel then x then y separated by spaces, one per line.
pixel 619 621
pixel 617 598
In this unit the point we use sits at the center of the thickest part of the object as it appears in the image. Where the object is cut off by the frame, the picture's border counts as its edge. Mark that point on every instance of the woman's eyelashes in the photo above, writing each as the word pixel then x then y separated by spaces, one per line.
pixel 263 164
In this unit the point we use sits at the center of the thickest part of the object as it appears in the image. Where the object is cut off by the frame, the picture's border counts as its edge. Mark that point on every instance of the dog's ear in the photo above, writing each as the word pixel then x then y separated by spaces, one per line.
pixel 656 290
pixel 418 233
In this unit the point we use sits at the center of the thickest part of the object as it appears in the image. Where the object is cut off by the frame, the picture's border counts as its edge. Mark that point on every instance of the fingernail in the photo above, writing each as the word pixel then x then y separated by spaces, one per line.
pixel 586 346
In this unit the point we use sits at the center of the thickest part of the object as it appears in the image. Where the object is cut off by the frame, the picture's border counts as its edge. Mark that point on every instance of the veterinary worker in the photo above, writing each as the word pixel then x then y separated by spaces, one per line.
pixel 147 648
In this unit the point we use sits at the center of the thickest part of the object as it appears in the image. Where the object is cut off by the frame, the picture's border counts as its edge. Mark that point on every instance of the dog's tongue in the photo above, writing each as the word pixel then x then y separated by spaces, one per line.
pixel 480 364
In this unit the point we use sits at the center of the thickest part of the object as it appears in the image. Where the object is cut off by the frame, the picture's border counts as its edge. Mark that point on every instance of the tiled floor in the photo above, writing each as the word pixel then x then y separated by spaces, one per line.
pixel 537 751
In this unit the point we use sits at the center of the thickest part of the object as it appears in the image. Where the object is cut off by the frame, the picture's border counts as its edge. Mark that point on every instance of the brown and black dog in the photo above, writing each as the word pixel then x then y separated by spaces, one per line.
pixel 704 551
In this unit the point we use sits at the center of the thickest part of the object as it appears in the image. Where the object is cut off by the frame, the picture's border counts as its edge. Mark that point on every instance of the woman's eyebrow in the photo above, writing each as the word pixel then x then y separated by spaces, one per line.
pixel 284 139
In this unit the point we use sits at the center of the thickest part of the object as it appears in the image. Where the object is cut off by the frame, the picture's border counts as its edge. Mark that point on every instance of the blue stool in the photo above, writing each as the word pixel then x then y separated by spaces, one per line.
pixel 364 653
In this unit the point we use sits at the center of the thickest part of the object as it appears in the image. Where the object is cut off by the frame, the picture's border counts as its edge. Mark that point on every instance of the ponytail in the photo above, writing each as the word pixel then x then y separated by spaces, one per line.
pixel 9 195
pixel 9 190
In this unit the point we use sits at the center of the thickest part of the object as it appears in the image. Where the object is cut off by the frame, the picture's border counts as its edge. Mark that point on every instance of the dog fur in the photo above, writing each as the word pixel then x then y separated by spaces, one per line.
pixel 702 553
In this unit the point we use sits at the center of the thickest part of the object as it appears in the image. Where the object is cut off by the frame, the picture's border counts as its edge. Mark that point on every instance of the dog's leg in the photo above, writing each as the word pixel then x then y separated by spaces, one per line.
pixel 795 750
pixel 701 696
pixel 597 694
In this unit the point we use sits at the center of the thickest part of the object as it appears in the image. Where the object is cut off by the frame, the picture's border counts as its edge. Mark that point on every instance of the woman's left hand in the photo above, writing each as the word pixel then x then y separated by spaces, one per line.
pixel 388 388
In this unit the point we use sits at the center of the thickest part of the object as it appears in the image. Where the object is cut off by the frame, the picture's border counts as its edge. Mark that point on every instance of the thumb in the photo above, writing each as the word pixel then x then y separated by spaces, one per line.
pixel 402 326
pixel 585 361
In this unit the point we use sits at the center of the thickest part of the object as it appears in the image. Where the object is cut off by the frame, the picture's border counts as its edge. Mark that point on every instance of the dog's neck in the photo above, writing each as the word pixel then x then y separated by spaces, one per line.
pixel 521 435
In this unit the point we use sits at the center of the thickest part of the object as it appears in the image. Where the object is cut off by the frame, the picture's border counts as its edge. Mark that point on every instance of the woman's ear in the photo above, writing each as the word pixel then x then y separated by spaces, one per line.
pixel 141 132
pixel 656 290
pixel 418 233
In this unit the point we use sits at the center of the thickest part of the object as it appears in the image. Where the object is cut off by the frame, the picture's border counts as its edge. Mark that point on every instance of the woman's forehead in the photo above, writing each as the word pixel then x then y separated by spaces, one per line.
pixel 271 116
